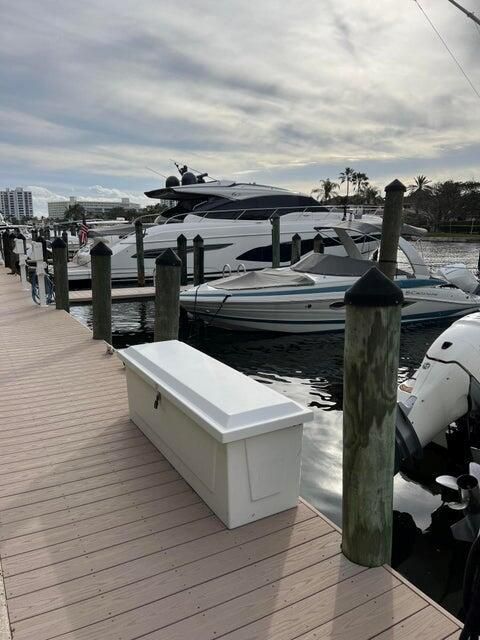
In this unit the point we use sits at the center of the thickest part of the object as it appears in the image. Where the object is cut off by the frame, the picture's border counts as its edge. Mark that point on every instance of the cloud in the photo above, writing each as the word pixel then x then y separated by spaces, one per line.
pixel 96 92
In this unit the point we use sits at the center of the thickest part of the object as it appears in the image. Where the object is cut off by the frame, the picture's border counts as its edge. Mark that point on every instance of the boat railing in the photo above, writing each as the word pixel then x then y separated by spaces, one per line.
pixel 351 210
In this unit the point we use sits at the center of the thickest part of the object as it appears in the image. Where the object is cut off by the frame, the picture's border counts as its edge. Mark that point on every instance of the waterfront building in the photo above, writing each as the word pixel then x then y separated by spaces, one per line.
pixel 16 203
pixel 92 208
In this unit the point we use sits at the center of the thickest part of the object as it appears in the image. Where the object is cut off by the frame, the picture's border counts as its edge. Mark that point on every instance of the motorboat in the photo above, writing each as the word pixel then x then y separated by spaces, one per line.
pixel 309 295
pixel 234 220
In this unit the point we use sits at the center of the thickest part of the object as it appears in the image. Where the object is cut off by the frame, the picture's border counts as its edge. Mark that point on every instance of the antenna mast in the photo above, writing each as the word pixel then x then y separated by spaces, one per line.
pixel 471 15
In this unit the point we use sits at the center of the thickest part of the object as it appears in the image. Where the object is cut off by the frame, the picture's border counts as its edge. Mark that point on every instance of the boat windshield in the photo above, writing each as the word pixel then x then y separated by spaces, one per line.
pixel 324 264
pixel 257 208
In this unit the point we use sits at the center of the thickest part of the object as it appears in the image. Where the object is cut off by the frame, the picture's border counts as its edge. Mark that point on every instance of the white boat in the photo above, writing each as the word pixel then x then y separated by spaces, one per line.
pixel 234 221
pixel 309 296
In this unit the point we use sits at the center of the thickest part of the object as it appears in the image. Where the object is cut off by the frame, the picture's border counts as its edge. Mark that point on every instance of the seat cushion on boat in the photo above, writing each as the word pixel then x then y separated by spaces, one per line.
pixel 324 264
pixel 264 279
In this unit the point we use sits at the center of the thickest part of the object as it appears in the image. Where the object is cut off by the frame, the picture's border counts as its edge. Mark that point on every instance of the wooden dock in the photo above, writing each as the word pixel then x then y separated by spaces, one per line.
pixel 100 539
pixel 120 294
pixel 123 294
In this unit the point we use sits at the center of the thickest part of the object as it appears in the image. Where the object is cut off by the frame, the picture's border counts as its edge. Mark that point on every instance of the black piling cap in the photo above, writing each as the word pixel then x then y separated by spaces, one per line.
pixel 296 237
pixel 396 185
pixel 198 239
pixel 138 223
pixel 100 249
pixel 374 289
pixel 58 243
pixel 168 258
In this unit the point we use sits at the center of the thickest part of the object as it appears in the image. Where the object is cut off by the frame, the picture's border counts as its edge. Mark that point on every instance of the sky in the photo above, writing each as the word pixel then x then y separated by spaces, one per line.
pixel 283 93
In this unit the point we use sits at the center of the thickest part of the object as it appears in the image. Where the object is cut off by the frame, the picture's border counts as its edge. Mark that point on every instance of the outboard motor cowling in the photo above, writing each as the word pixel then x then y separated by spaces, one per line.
pixel 445 388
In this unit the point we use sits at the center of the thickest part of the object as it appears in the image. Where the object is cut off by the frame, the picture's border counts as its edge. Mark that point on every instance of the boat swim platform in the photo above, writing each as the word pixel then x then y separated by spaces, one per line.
pixel 101 539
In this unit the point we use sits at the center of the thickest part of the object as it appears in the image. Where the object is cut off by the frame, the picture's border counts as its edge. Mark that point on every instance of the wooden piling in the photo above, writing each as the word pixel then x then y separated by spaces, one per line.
pixel 47 232
pixel 12 254
pixel 391 228
pixel 275 240
pixel 60 274
pixel 6 247
pixel 73 229
pixel 198 261
pixel 318 244
pixel 182 254
pixel 44 250
pixel 167 293
pixel 65 239
pixel 140 253
pixel 372 340
pixel 101 257
pixel 296 249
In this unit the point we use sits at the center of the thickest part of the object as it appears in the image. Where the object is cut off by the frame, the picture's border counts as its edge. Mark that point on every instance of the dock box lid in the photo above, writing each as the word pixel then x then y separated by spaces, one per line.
pixel 226 403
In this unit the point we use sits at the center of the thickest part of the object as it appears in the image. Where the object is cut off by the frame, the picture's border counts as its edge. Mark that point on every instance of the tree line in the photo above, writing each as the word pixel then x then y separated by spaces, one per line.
pixel 77 212
pixel 433 204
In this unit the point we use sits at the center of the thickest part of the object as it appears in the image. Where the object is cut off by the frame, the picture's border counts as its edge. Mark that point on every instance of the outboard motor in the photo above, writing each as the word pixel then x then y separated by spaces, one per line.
pixel 445 388
pixel 467 488
pixel 460 276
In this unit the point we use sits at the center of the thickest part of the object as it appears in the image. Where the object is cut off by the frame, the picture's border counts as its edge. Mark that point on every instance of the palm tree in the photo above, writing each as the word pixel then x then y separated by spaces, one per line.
pixel 371 194
pixel 419 189
pixel 326 190
pixel 360 181
pixel 347 176
pixel 421 183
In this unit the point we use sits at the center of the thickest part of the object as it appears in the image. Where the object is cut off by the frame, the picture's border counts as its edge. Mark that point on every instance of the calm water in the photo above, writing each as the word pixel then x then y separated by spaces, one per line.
pixel 309 369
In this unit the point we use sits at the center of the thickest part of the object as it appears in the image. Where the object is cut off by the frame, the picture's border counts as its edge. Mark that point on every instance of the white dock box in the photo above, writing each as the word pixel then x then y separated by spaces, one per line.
pixel 236 441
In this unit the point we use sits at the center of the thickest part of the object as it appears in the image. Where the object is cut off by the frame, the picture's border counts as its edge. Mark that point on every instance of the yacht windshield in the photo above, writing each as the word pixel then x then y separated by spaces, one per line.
pixel 256 208
pixel 324 264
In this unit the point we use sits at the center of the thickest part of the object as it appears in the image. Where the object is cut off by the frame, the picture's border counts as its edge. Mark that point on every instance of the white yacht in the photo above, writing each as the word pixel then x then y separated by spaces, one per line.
pixel 309 296
pixel 232 218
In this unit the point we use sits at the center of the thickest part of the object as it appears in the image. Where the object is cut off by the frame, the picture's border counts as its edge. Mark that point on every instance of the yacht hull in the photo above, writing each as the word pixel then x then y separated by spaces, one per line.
pixel 315 312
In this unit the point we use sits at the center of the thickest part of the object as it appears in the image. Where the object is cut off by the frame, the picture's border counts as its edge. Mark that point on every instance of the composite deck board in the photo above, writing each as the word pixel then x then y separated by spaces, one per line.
pixel 427 624
pixel 101 539
pixel 84 296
